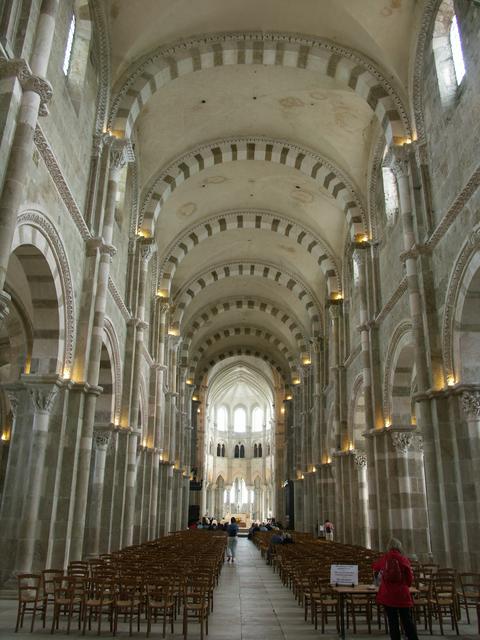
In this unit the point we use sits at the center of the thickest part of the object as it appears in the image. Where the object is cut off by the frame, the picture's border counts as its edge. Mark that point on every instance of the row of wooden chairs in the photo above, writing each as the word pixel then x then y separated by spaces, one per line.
pixel 151 582
pixel 442 593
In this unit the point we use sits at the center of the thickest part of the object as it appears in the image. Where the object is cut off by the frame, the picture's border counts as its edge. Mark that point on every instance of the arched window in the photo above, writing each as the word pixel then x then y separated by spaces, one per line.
pixel 447 50
pixel 255 451
pixel 242 451
pixel 210 448
pixel 457 53
pixel 67 57
pixel 236 453
pixel 240 420
pixel 221 419
pixel 219 450
pixel 268 449
pixel 390 193
pixel 257 419
pixel 259 450
pixel 223 450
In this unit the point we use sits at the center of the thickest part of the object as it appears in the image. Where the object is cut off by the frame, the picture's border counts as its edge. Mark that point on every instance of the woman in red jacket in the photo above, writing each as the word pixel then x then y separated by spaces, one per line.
pixel 394 592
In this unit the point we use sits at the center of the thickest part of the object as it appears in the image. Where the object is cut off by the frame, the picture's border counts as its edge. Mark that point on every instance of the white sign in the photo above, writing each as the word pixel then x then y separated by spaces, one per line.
pixel 344 574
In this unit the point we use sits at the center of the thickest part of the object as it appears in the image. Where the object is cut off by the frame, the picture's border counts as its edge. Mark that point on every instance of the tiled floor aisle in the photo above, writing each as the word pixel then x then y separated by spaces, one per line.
pixel 250 604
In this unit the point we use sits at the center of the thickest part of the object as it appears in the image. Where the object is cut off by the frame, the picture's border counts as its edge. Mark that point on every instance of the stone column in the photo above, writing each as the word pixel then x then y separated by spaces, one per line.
pixel 362 524
pixel 101 441
pixel 334 313
pixel 36 92
pixel 470 465
pixel 359 259
pixel 427 421
pixel 43 392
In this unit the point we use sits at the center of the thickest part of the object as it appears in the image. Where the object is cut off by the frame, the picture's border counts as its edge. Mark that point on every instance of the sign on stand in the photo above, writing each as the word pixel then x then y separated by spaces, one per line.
pixel 344 575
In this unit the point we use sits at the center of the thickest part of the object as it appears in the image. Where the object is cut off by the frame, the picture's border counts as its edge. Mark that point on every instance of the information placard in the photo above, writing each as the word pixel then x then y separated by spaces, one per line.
pixel 344 574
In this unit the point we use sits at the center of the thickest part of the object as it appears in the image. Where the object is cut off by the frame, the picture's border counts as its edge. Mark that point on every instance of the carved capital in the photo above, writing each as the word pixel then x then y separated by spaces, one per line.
pixel 121 153
pixel 360 459
pixel 101 439
pixel 417 443
pixel 164 308
pixel 42 395
pixel 4 306
pixel 147 248
pixel 402 441
pixel 471 404
pixel 399 163
pixel 108 249
pixel 19 67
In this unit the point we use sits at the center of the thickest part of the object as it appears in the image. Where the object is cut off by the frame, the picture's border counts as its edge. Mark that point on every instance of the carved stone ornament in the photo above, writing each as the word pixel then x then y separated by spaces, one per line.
pixel 19 67
pixel 400 162
pixel 4 306
pixel 121 153
pixel 13 399
pixel 360 459
pixel 417 443
pixel 43 396
pixel 101 440
pixel 471 404
pixel 402 441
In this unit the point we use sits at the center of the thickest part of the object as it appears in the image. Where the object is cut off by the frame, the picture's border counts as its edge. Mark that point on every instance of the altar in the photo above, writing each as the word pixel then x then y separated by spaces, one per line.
pixel 244 520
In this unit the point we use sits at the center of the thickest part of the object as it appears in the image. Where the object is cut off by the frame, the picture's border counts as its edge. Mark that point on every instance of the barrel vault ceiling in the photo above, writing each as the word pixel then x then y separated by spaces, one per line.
pixel 253 124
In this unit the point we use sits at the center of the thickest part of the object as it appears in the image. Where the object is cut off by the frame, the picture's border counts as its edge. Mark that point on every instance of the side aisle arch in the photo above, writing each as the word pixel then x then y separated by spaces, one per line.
pixel 35 229
pixel 460 318
pixel 248 219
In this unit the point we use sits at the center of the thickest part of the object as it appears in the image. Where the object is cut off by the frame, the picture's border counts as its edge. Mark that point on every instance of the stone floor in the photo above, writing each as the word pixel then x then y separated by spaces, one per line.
pixel 250 604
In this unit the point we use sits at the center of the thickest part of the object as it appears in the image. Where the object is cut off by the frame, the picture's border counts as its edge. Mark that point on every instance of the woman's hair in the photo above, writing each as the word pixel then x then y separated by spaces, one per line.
pixel 394 543
pixel 232 520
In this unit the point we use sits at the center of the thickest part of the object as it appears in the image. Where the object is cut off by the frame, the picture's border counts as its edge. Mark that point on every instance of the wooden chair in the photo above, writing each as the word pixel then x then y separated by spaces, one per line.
pixel 323 599
pixel 48 584
pixel 160 600
pixel 128 602
pixel 99 600
pixel 443 601
pixel 196 603
pixel 67 599
pixel 359 604
pixel 29 598
pixel 469 594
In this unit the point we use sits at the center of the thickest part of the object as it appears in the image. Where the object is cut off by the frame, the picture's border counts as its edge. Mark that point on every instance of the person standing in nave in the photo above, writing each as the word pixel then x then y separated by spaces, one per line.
pixel 394 591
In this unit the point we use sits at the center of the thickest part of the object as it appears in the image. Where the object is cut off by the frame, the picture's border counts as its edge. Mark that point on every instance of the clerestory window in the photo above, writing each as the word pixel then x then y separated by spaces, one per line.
pixel 448 53
pixel 67 58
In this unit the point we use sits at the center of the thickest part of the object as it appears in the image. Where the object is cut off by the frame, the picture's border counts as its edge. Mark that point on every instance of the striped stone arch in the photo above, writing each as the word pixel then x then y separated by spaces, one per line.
pixel 110 340
pixel 397 380
pixel 238 304
pixel 309 163
pixel 233 332
pixel 18 327
pixel 247 269
pixel 35 230
pixel 197 373
pixel 250 219
pixel 348 67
